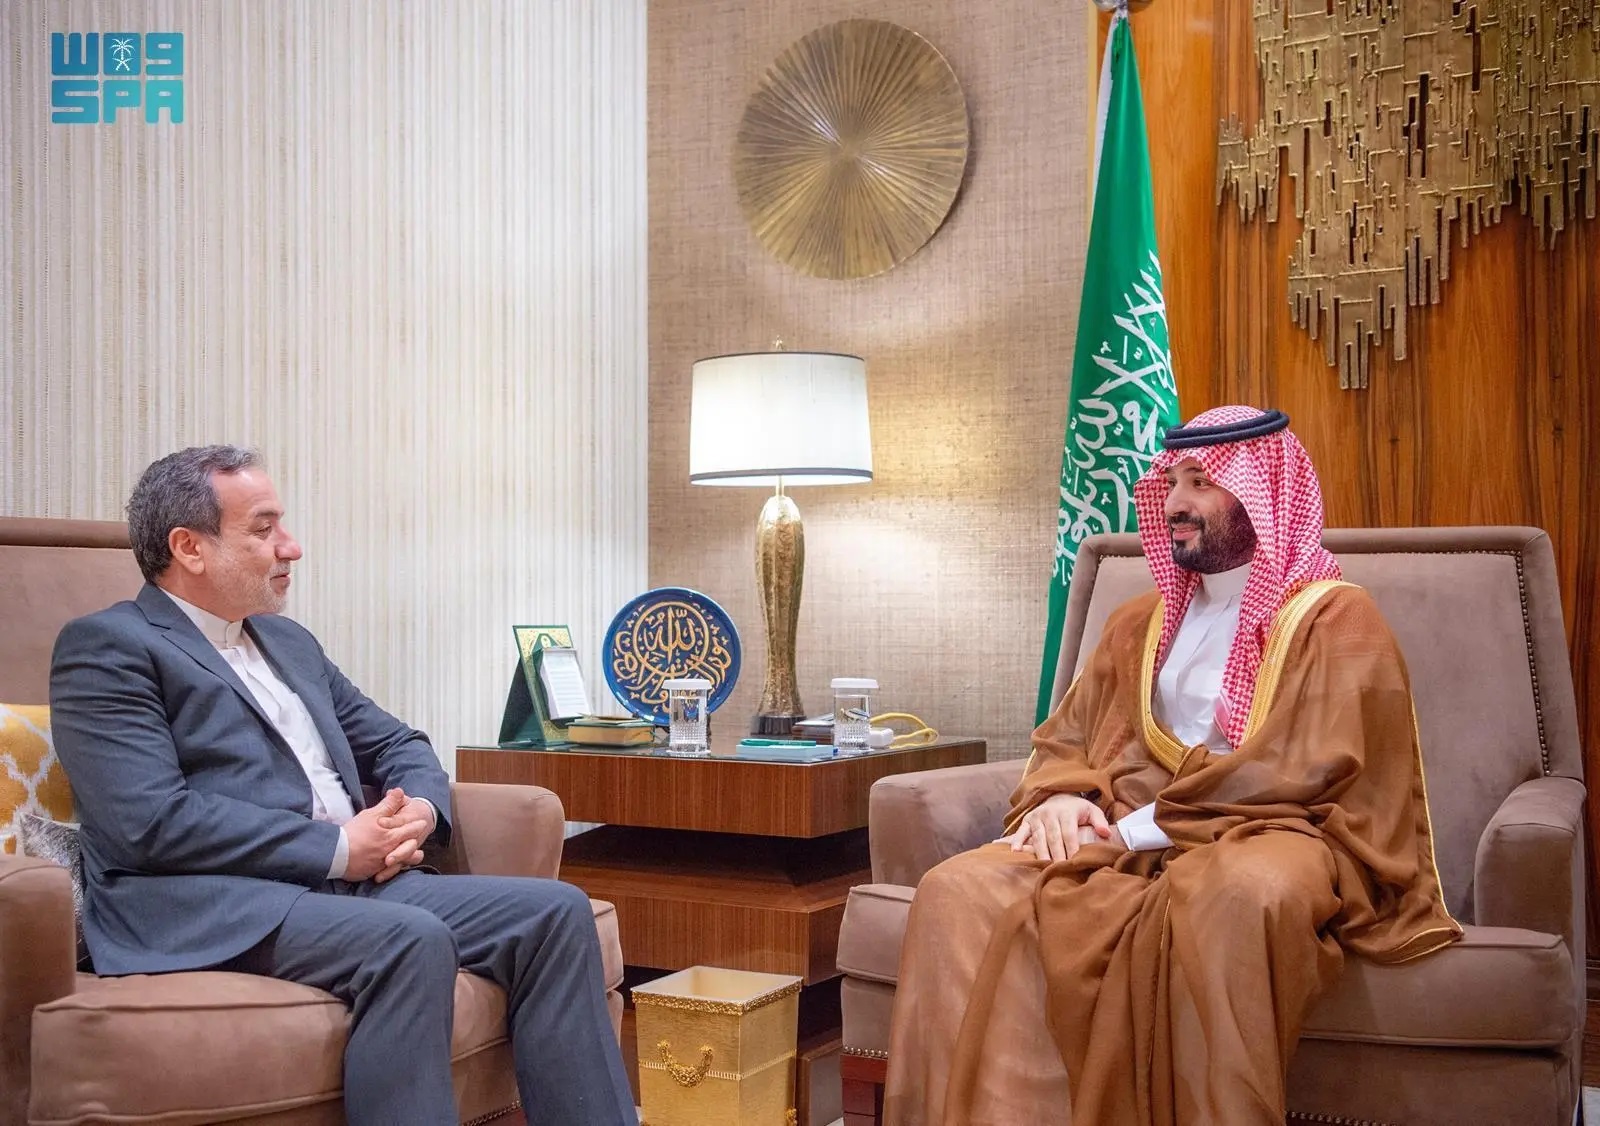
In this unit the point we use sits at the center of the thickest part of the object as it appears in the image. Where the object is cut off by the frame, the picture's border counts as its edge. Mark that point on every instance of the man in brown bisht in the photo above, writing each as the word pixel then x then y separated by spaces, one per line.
pixel 1227 801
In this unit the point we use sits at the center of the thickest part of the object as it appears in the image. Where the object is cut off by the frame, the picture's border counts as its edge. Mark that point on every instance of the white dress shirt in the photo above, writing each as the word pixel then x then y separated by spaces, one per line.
pixel 330 801
pixel 1190 684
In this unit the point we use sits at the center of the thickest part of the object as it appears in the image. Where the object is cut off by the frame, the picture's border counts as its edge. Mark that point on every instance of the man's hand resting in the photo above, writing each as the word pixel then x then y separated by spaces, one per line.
pixel 386 838
pixel 1060 825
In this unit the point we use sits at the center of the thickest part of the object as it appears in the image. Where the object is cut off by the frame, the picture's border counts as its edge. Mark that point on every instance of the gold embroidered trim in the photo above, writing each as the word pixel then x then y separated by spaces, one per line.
pixel 705 1005
pixel 1448 932
pixel 1163 745
pixel 1284 628
pixel 1285 625
pixel 1027 766
pixel 1427 814
pixel 693 1075
pixel 1166 749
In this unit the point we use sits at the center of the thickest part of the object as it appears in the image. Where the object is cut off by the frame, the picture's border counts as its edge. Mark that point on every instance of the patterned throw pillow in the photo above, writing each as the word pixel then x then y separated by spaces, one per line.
pixel 57 841
pixel 31 780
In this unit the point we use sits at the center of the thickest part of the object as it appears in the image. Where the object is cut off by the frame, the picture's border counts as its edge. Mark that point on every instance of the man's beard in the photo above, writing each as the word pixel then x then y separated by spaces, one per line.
pixel 258 593
pixel 249 591
pixel 1224 542
pixel 272 600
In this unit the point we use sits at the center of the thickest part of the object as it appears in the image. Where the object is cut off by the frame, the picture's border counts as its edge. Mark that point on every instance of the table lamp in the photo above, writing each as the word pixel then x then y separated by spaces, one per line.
pixel 780 419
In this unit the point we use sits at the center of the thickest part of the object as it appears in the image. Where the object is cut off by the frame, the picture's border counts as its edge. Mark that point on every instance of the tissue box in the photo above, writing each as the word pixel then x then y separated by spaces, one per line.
pixel 717 1047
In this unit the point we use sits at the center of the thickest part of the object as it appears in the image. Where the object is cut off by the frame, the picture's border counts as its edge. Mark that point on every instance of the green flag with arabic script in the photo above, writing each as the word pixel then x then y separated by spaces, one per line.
pixel 1123 394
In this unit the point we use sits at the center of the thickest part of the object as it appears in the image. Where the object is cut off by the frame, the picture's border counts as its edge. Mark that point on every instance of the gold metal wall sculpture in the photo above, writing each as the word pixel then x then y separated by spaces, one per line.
pixel 1403 119
pixel 852 149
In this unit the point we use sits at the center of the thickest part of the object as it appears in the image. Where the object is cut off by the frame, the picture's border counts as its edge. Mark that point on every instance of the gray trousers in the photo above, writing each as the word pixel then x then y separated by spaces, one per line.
pixel 391 952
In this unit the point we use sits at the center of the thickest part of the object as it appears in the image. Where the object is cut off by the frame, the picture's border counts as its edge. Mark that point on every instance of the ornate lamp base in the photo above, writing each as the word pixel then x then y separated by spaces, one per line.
pixel 780 570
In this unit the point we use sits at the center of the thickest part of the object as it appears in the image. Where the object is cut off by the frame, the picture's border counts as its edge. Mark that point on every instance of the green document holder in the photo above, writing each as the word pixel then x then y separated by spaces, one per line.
pixel 527 721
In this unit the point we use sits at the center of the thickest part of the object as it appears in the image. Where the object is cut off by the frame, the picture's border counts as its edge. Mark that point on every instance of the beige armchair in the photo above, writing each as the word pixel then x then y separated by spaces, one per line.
pixel 1487 1030
pixel 207 1047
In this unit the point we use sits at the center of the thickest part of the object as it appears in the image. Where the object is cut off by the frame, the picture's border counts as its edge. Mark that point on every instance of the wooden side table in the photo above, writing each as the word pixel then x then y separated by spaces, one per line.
pixel 724 861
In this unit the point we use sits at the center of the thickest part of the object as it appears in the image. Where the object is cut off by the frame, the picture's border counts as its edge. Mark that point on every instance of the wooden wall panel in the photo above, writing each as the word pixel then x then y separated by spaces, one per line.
pixel 1493 418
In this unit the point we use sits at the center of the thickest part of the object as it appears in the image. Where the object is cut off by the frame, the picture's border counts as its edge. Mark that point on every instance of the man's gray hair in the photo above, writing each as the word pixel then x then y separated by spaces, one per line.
pixel 176 492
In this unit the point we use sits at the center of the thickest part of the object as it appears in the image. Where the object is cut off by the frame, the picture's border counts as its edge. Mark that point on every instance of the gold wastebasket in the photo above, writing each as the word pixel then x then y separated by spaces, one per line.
pixel 717 1047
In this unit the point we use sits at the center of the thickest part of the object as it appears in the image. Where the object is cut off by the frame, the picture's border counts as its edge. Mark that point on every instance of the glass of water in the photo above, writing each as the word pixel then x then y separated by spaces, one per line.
pixel 686 715
pixel 852 713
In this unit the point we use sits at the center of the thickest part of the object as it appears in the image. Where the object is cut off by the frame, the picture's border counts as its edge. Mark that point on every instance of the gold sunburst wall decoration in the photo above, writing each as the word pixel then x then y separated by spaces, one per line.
pixel 851 151
pixel 1404 122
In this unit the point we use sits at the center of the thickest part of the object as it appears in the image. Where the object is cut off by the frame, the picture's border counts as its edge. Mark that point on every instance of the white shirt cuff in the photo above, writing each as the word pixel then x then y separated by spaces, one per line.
pixel 341 856
pixel 1140 831
pixel 435 811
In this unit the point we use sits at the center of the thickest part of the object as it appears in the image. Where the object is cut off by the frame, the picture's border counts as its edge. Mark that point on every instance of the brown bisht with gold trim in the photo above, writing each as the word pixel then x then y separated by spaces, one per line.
pixel 1176 980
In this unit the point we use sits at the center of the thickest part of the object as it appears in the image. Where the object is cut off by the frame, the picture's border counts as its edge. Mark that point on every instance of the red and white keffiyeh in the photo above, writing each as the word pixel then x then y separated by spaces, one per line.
pixel 1272 476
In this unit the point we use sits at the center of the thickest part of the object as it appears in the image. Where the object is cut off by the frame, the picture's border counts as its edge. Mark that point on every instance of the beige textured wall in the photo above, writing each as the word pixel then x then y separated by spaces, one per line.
pixel 398 247
pixel 933 577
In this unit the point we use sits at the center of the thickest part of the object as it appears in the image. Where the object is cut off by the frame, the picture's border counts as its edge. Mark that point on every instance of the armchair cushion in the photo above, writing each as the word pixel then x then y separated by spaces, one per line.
pixel 1529 864
pixel 873 930
pixel 502 831
pixel 207 1046
pixel 917 820
pixel 1497 987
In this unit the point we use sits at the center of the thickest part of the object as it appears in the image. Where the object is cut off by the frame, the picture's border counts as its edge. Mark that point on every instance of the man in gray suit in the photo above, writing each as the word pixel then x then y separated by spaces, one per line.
pixel 218 759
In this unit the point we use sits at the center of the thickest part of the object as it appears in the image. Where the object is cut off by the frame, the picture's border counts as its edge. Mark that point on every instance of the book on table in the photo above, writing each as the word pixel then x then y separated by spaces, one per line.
pixel 611 731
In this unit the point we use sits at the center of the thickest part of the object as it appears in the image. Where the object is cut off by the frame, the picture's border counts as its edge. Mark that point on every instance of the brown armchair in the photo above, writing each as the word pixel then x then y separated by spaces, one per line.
pixel 1487 1030
pixel 207 1047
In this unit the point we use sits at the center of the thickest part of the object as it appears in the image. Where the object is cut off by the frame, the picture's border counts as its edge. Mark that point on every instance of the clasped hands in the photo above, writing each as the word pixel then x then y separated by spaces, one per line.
pixel 1059 826
pixel 386 838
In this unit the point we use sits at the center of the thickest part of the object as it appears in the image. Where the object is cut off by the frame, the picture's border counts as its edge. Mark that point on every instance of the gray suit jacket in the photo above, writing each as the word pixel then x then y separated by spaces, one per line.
pixel 197 831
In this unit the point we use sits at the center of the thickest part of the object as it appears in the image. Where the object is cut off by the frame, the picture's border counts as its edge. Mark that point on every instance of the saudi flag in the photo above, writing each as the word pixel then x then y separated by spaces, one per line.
pixel 1123 395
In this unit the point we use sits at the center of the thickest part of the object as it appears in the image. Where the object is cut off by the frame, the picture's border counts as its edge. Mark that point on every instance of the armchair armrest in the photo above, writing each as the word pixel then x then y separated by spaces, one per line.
pixel 916 820
pixel 38 950
pixel 1529 868
pixel 503 830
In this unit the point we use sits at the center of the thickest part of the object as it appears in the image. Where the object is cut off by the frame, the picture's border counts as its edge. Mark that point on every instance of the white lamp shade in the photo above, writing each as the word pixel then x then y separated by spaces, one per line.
pixel 761 416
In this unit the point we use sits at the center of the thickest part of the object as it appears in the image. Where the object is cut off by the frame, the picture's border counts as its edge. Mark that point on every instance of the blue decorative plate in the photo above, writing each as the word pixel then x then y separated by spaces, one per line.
pixel 667 633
